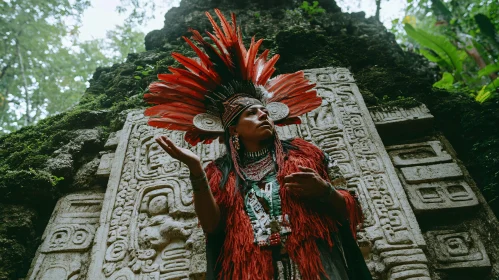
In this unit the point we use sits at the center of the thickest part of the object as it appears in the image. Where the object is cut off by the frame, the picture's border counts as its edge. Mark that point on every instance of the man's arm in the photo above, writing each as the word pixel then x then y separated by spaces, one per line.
pixel 206 208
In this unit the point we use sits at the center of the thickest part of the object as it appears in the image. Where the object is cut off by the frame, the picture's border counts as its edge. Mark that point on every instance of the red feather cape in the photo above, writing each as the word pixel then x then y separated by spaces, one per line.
pixel 241 258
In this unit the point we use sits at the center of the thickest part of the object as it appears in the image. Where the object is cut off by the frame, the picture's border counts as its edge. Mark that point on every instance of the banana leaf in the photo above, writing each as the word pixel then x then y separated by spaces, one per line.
pixel 438 44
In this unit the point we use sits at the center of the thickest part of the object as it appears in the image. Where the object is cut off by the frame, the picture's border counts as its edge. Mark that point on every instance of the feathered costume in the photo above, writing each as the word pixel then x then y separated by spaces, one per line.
pixel 204 100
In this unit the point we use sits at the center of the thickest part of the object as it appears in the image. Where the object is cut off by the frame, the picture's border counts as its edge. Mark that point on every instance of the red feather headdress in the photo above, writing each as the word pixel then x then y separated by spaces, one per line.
pixel 221 82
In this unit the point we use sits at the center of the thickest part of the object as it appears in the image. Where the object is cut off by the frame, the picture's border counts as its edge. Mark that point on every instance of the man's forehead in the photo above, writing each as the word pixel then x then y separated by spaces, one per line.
pixel 256 106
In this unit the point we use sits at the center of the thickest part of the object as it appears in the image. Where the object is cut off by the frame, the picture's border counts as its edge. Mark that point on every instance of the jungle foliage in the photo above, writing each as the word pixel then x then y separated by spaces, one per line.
pixel 44 68
pixel 462 38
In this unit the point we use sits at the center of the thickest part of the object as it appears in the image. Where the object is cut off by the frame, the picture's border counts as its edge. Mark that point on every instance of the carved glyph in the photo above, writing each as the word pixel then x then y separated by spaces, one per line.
pixel 385 114
pixel 149 228
pixel 431 179
pixel 458 249
pixel 68 238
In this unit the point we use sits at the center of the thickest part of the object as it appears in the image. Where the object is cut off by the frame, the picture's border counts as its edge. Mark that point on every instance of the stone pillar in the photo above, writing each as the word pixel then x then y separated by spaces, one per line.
pixel 68 239
pixel 455 218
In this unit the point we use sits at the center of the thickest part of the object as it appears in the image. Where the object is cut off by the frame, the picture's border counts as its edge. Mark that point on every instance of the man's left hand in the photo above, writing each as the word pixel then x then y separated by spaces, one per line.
pixel 306 183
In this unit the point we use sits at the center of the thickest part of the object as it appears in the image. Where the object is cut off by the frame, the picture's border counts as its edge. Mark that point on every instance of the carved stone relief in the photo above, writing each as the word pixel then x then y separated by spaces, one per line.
pixel 458 249
pixel 432 180
pixel 148 225
pixel 384 115
pixel 67 240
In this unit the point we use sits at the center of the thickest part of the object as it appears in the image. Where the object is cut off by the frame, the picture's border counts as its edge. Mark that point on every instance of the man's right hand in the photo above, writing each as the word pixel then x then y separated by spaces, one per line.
pixel 183 155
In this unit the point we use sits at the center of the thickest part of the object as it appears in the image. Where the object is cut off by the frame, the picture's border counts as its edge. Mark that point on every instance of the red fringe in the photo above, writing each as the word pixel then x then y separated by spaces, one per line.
pixel 242 259
pixel 354 211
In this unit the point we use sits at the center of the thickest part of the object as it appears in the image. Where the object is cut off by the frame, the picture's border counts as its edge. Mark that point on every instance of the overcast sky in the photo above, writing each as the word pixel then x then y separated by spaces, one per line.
pixel 102 16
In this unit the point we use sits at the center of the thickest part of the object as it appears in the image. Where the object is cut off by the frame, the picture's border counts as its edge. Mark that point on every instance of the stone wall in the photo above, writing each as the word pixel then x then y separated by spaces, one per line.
pixel 459 228
pixel 148 228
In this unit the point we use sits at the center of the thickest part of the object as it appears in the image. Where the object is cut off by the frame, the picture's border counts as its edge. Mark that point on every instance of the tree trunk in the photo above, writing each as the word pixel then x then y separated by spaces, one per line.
pixel 4 70
pixel 378 8
pixel 27 120
pixel 3 109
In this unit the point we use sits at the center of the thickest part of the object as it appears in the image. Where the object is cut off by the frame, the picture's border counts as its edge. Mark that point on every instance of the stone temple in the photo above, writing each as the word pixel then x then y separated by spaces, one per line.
pixel 144 225
pixel 417 158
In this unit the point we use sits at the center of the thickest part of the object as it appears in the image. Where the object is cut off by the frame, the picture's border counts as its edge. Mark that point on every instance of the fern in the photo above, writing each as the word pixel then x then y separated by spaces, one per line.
pixel 441 46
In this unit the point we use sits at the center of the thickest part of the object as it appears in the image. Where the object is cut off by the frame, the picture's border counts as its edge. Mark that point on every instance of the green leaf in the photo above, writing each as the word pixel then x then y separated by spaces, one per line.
pixel 483 95
pixel 446 82
pixel 492 86
pixel 137 77
pixel 489 69
pixel 487 28
pixel 440 45
pixel 430 56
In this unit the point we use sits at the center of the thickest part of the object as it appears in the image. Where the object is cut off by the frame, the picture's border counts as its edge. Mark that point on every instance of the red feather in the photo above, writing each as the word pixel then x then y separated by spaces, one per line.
pixel 268 70
pixel 172 108
pixel 176 81
pixel 195 68
pixel 160 99
pixel 207 84
pixel 204 58
pixel 167 88
pixel 216 28
pixel 251 56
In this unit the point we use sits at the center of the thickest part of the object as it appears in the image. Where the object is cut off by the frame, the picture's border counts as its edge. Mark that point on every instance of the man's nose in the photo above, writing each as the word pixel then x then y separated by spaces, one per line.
pixel 262 114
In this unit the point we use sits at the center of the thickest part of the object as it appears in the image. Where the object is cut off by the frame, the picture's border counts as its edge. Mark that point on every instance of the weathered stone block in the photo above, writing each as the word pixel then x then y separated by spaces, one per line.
pixel 418 154
pixel 105 165
pixel 458 249
pixel 441 195
pixel 65 251
pixel 112 140
pixel 429 173
pixel 387 114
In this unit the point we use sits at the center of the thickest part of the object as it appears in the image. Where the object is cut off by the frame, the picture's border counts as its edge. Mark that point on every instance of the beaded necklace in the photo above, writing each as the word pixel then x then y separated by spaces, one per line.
pixel 255 165
pixel 262 200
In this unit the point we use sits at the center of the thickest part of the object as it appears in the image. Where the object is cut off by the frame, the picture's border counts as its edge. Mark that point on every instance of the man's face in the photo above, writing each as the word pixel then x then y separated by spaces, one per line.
pixel 255 124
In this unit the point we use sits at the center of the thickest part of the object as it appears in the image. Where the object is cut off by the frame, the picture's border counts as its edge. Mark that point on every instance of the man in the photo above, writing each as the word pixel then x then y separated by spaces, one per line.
pixel 271 209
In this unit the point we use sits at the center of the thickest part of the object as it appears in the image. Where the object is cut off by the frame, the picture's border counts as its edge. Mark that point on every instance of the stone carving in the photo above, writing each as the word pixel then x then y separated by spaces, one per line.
pixel 343 128
pixel 419 153
pixel 150 230
pixel 148 226
pixel 386 114
pixel 105 165
pixel 112 140
pixel 434 172
pixel 431 179
pixel 64 253
pixel 458 249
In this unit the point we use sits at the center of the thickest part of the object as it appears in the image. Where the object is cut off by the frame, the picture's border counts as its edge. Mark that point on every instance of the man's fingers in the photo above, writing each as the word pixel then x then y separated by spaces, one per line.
pixel 298 177
pixel 293 186
pixel 306 169
pixel 165 145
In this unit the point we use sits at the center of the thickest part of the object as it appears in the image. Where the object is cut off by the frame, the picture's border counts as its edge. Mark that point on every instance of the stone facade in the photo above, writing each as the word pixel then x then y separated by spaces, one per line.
pixel 452 213
pixel 148 228
pixel 68 238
